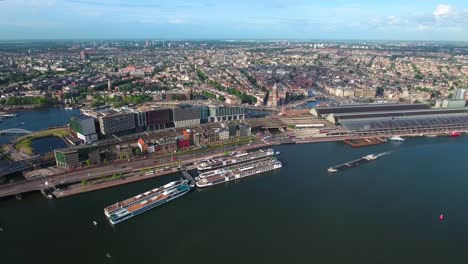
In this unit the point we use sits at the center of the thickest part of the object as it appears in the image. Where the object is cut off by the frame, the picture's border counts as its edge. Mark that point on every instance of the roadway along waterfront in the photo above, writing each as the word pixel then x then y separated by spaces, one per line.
pixel 386 211
pixel 107 170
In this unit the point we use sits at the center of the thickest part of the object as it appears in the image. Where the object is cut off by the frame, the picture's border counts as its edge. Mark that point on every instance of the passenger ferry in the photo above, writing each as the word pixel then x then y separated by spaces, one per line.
pixel 238 173
pixel 235 158
pixel 229 169
pixel 138 204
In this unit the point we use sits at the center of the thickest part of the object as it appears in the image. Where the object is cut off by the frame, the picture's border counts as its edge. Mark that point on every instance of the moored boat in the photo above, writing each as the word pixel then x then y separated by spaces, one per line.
pixel 235 158
pixel 238 173
pixel 138 204
pixel 396 138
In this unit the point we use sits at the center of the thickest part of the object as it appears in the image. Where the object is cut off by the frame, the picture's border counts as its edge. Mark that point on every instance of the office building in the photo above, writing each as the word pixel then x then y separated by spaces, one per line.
pixel 158 118
pixel 226 113
pixel 67 158
pixel 111 122
pixel 204 114
pixel 140 121
pixel 186 116
pixel 84 127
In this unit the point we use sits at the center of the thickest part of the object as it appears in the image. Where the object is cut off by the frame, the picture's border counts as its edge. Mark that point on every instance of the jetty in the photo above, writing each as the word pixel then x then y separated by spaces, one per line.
pixel 355 163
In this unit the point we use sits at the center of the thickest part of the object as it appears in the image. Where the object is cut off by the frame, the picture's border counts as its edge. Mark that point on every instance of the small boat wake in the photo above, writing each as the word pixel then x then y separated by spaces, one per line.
pixel 383 154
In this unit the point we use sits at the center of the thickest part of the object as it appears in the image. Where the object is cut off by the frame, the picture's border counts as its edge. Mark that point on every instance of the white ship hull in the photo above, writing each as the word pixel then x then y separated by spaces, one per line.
pixel 202 184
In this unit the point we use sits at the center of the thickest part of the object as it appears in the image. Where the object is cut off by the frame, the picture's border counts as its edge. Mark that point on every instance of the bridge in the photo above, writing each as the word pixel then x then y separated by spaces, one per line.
pixel 15 131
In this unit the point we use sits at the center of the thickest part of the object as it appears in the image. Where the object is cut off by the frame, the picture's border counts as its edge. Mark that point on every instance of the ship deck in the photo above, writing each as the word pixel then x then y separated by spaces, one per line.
pixel 232 173
pixel 217 163
pixel 140 197
pixel 150 201
pixel 238 167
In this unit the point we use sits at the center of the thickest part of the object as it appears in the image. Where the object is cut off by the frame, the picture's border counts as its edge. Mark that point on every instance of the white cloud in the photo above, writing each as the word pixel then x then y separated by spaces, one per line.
pixel 443 11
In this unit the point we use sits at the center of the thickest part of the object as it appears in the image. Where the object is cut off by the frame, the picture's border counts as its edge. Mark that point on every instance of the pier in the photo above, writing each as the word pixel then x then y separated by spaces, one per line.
pixel 355 163
pixel 188 176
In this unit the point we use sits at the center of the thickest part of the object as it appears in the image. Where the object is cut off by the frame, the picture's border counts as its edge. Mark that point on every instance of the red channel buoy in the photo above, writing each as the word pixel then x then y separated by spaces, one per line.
pixel 441 217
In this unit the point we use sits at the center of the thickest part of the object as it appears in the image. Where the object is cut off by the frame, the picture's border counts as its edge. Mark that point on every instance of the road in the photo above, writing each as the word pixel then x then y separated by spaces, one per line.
pixel 110 169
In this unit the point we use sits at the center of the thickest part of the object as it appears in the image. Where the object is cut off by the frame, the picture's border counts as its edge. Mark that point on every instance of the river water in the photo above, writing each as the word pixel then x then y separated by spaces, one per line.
pixel 386 211
pixel 36 119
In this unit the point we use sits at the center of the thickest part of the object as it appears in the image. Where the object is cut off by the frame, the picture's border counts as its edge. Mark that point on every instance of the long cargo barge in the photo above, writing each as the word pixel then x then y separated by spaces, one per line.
pixel 355 163
pixel 226 175
pixel 138 204
pixel 235 158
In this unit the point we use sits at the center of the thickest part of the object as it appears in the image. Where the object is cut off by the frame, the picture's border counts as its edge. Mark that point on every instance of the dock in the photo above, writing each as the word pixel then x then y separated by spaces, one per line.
pixel 363 142
pixel 188 176
pixel 355 163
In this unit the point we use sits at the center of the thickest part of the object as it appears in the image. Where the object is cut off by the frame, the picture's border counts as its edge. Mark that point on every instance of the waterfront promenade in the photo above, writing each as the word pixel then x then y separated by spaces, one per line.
pixel 133 166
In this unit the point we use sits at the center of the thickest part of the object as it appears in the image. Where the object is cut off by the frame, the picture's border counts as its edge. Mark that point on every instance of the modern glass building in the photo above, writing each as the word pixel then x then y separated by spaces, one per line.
pixel 226 113
pixel 84 127
pixel 159 118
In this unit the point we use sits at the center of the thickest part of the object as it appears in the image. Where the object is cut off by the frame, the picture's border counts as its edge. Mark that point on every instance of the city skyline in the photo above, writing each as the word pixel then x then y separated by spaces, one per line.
pixel 78 19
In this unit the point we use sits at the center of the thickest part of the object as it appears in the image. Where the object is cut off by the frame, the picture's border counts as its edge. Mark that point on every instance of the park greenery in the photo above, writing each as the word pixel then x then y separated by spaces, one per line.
pixel 30 100
pixel 118 101
pixel 245 98
pixel 213 96
pixel 201 75
pixel 176 97
pixel 25 144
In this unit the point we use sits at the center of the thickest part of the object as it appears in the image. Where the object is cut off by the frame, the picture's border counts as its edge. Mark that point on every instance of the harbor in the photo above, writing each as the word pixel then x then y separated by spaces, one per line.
pixel 296 192
pixel 133 206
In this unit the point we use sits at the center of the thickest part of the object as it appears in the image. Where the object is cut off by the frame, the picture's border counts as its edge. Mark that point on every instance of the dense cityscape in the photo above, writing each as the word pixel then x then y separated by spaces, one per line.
pixel 299 132
pixel 147 108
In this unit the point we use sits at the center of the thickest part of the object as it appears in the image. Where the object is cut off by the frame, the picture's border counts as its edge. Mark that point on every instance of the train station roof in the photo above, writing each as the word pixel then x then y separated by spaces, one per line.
pixel 340 117
pixel 405 122
pixel 365 108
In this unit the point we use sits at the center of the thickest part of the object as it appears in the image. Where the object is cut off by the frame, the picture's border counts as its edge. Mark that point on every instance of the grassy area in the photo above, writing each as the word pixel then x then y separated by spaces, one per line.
pixel 25 144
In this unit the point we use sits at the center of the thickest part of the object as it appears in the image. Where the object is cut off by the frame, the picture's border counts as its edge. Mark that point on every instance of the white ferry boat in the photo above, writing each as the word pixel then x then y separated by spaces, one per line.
pixel 138 204
pixel 234 159
pixel 238 173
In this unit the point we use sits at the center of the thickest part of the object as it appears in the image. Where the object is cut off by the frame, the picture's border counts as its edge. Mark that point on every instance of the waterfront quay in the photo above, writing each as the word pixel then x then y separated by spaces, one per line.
pixel 133 169
pixel 344 123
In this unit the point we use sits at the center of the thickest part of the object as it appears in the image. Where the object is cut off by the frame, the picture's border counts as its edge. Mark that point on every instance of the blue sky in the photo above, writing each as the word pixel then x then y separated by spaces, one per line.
pixel 234 19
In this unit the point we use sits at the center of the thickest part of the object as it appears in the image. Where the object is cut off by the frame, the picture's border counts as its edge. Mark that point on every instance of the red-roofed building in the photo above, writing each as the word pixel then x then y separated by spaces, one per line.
pixel 142 145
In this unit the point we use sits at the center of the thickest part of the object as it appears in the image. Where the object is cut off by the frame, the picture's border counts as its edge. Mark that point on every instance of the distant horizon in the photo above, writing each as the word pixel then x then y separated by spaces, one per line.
pixel 397 20
pixel 234 39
